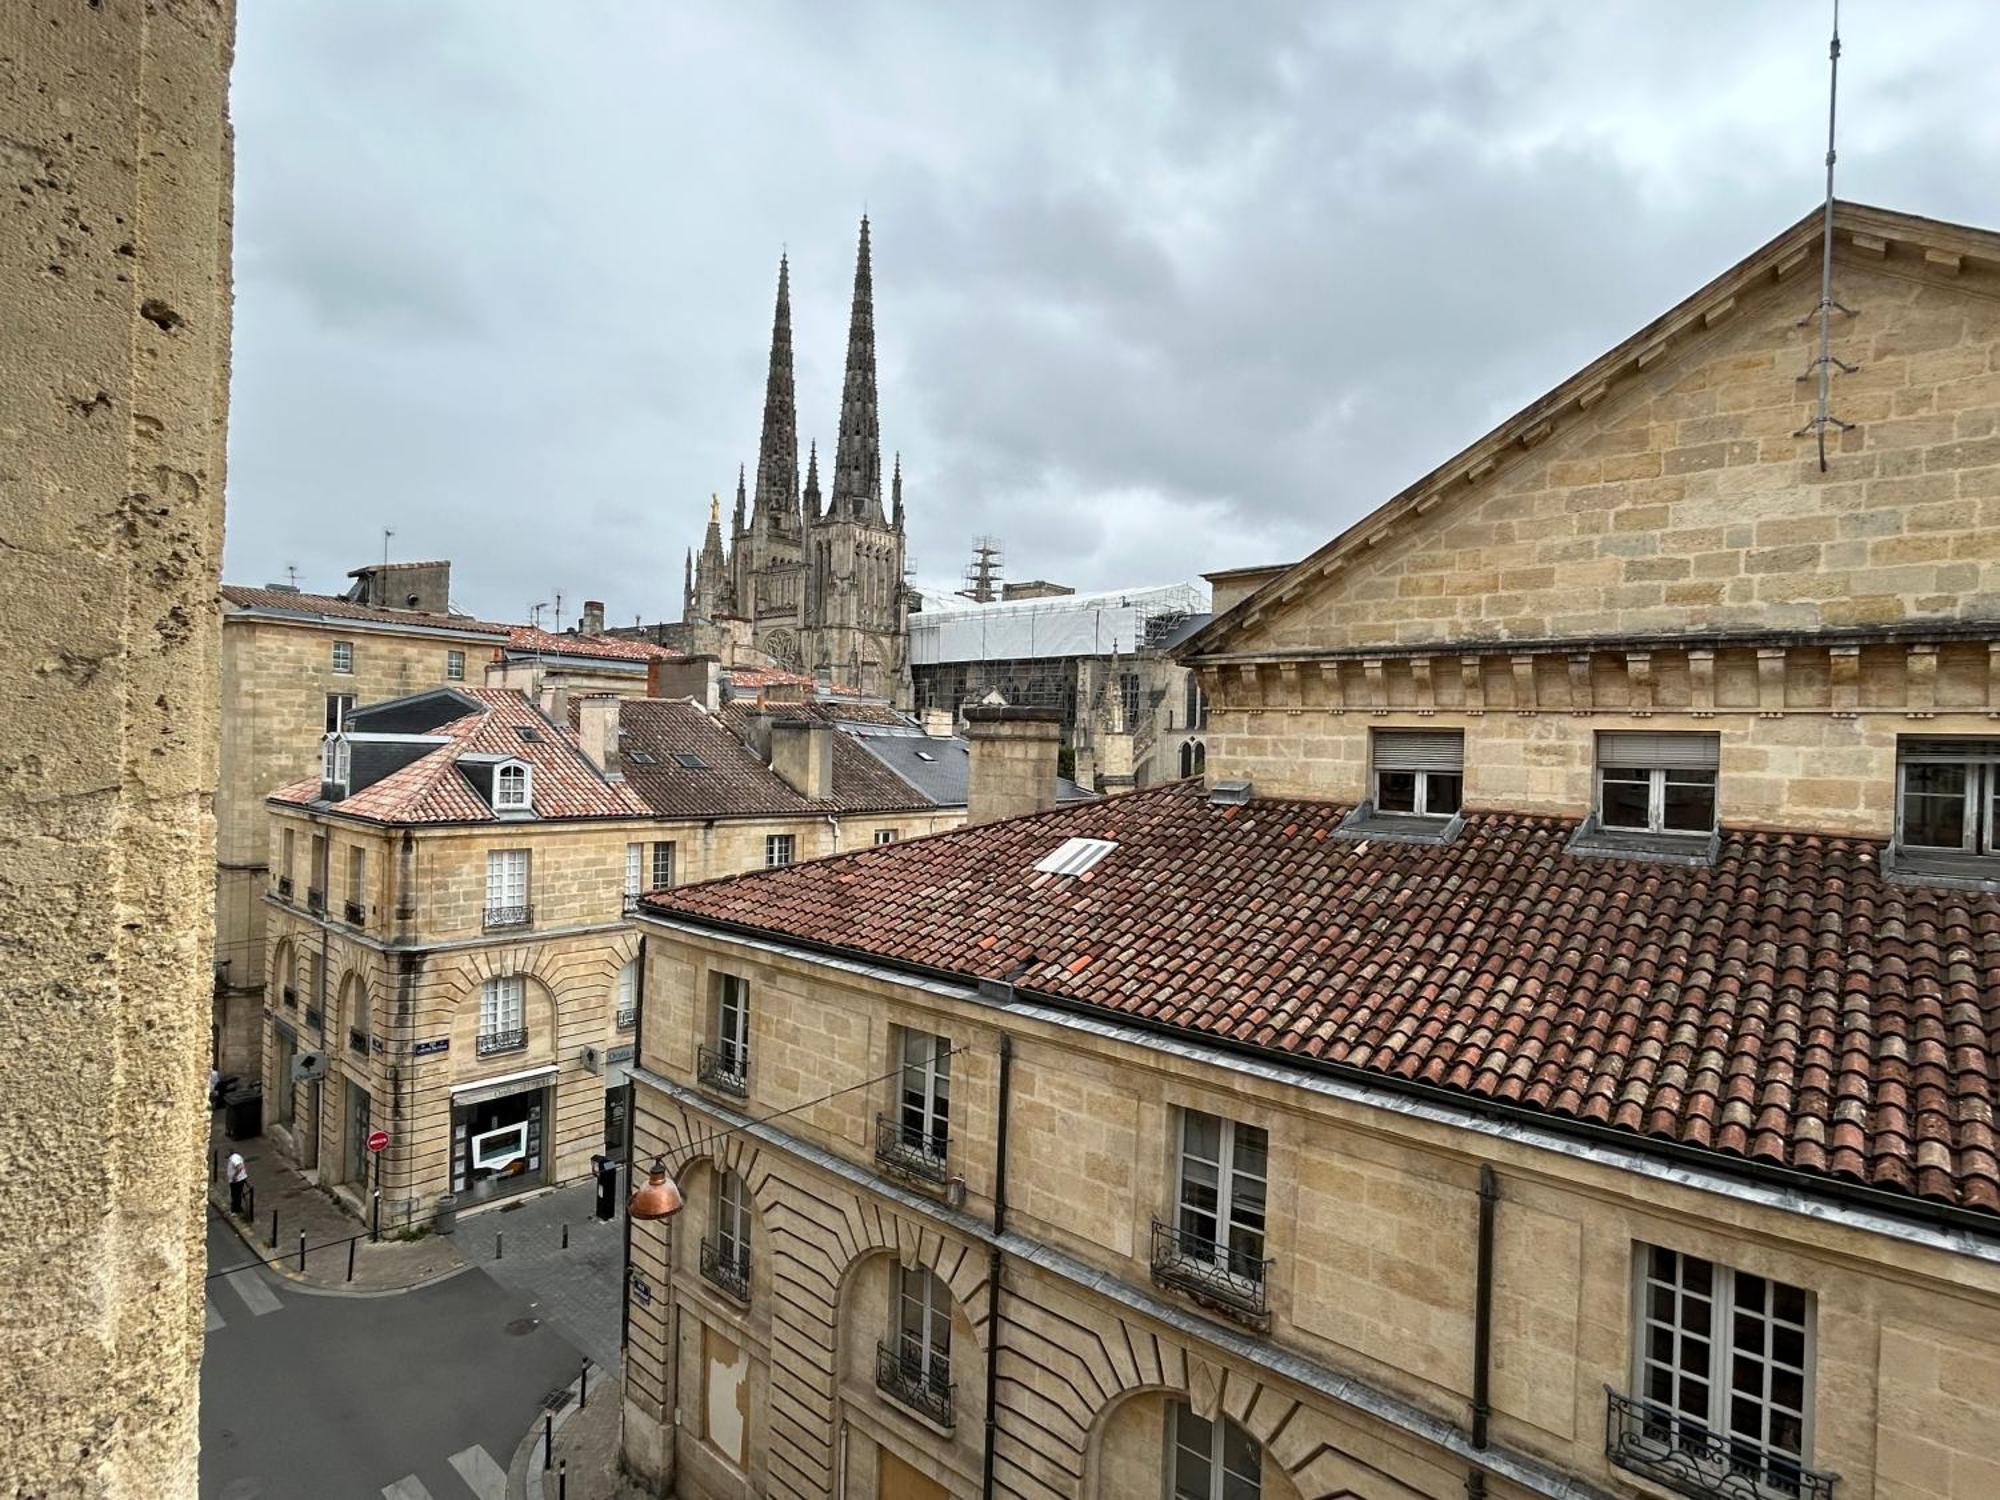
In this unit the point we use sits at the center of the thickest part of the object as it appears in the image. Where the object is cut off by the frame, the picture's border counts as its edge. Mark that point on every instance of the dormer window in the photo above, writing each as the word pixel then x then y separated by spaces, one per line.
pixel 512 786
pixel 336 762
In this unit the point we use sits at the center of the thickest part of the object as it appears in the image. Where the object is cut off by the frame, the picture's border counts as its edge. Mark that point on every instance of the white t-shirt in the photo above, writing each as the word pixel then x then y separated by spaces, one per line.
pixel 238 1172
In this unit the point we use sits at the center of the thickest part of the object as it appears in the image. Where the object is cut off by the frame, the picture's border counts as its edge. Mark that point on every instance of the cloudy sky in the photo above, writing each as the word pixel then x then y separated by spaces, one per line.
pixel 1160 287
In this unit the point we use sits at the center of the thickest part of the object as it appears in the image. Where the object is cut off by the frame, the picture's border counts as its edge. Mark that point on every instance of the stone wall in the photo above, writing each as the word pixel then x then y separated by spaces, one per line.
pixel 116 288
pixel 1372 1232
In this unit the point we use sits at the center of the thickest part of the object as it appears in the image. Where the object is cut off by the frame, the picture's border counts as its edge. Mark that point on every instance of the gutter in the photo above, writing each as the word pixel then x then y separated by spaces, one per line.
pixel 1940 1226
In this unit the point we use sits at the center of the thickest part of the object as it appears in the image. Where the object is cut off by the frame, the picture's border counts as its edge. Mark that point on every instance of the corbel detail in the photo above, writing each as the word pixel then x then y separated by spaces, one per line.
pixel 1420 674
pixel 1253 690
pixel 1473 683
pixel 1639 680
pixel 1920 677
pixel 1770 680
pixel 1993 676
pixel 1375 671
pixel 1288 684
pixel 1330 686
pixel 1524 684
pixel 1581 698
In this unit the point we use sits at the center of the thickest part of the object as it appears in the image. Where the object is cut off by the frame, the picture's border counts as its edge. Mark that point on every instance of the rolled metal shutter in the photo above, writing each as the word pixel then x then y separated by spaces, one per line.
pixel 1652 748
pixel 1950 751
pixel 1418 750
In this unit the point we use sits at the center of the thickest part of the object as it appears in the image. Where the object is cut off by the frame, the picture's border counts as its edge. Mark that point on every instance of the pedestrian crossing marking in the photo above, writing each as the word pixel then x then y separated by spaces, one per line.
pixel 481 1474
pixel 256 1296
pixel 409 1487
pixel 214 1318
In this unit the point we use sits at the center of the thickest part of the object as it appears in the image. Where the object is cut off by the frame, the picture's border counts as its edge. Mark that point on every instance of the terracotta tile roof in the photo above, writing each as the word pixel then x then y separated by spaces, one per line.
pixel 431 789
pixel 334 607
pixel 1788 1005
pixel 608 647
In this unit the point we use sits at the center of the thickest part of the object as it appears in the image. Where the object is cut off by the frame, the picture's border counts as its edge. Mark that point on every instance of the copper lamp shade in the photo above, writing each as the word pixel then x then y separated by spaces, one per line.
pixel 659 1198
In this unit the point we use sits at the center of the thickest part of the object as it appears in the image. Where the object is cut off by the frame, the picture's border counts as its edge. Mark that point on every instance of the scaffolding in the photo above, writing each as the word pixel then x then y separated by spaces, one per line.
pixel 982 574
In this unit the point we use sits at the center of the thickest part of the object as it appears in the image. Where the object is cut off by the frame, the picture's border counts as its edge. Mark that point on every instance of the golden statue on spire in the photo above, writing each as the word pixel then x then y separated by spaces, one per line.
pixel 714 509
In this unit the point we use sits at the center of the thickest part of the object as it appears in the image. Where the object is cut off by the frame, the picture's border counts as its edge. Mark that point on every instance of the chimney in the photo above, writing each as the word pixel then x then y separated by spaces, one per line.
pixel 1115 762
pixel 697 677
pixel 939 723
pixel 422 586
pixel 802 753
pixel 593 617
pixel 597 732
pixel 1013 761
pixel 554 702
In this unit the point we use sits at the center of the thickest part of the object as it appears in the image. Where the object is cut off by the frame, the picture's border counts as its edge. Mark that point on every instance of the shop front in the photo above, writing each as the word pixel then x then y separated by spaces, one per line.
pixel 499 1135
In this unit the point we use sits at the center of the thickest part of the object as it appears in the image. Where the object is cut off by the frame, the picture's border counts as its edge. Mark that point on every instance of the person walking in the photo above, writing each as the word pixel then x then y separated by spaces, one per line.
pixel 239 1182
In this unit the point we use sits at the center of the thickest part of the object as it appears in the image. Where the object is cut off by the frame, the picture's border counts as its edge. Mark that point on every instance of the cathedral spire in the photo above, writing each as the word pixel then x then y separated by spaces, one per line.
pixel 778 448
pixel 857 461
pixel 737 528
pixel 896 492
pixel 812 484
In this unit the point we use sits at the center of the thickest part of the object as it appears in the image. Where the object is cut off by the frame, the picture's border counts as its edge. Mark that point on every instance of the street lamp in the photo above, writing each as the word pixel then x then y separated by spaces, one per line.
pixel 659 1198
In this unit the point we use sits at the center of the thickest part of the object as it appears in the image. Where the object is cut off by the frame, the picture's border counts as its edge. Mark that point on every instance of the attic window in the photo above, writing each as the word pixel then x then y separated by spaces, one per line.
pixel 336 762
pixel 925 755
pixel 512 787
pixel 529 733
pixel 687 760
pixel 641 757
pixel 1074 856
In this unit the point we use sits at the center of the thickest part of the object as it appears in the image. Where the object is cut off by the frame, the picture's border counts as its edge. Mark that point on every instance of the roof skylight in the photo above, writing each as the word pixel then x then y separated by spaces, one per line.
pixel 687 760
pixel 1074 856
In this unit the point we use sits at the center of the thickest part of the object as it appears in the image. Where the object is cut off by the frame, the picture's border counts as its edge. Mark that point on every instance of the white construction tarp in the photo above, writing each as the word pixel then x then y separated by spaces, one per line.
pixel 1065 625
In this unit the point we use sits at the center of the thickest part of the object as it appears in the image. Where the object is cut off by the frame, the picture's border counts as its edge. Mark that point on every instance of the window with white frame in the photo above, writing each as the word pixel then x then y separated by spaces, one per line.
pixel 1948 795
pixel 663 865
pixel 343 656
pixel 1723 1366
pixel 778 849
pixel 635 871
pixel 454 666
pixel 924 1093
pixel 287 845
pixel 506 887
pixel 885 836
pixel 503 1011
pixel 1418 772
pixel 336 762
pixel 628 993
pixel 923 1323
pixel 1656 782
pixel 732 1221
pixel 732 1021
pixel 1211 1460
pixel 512 786
pixel 1223 1175
pixel 338 707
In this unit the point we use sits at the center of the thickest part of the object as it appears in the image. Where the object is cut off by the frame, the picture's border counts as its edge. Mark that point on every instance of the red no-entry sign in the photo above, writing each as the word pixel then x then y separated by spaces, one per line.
pixel 378 1140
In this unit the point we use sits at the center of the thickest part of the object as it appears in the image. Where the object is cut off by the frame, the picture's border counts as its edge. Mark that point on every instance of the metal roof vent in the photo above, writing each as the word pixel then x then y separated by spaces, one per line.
pixel 1229 793
pixel 1074 856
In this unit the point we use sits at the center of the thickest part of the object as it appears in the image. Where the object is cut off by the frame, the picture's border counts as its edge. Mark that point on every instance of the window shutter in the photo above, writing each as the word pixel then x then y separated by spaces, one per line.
pixel 1418 750
pixel 1651 749
pixel 1958 752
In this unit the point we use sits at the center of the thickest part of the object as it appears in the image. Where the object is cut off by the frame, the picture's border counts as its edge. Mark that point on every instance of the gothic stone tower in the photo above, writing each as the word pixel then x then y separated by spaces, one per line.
pixel 857 627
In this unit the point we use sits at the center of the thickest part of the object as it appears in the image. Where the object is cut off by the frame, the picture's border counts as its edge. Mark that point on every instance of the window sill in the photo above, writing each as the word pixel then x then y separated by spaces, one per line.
pixel 1942 867
pixel 1365 822
pixel 1690 849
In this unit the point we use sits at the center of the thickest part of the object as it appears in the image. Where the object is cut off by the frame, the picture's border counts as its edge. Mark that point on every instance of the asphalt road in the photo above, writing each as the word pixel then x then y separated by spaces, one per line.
pixel 411 1395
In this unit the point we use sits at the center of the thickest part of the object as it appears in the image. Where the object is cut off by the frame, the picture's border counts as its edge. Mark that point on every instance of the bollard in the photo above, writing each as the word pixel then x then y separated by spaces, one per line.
pixel 562 1480
pixel 211 1165
pixel 250 1203
pixel 565 1236
pixel 302 1252
pixel 548 1440
pixel 499 1244
pixel 583 1386
pixel 350 1256
pixel 274 1229
pixel 375 1219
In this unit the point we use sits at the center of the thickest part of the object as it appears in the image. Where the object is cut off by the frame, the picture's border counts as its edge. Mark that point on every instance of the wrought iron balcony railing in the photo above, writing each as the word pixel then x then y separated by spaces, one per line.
pixel 356 914
pixel 728 1269
pixel 291 997
pixel 1215 1275
pixel 724 1068
pixel 1690 1458
pixel 491 1043
pixel 284 887
pixel 910 1151
pixel 922 1385
pixel 316 901
pixel 357 1040
pixel 508 916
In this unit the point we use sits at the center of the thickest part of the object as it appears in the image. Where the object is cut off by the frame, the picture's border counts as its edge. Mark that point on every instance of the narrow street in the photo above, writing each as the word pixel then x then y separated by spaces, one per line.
pixel 315 1395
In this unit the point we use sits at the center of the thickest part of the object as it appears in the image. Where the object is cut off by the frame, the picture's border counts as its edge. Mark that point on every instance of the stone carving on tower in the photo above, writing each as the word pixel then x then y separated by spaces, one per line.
pixel 822 590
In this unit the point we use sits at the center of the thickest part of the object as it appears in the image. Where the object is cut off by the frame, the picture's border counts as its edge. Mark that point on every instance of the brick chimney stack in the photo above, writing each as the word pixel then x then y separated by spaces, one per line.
pixel 593 617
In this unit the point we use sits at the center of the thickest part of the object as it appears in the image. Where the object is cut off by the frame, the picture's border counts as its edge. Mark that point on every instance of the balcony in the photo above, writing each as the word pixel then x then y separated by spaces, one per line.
pixel 923 1386
pixel 493 1043
pixel 501 917
pixel 728 1269
pixel 315 901
pixel 1685 1456
pixel 291 997
pixel 284 887
pixel 723 1068
pixel 355 913
pixel 909 1152
pixel 1217 1276
pixel 357 1041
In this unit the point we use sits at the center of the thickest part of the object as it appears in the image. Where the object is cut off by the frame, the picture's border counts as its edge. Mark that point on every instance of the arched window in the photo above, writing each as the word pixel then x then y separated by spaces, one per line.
pixel 1211 1460
pixel 628 993
pixel 1200 757
pixel 284 973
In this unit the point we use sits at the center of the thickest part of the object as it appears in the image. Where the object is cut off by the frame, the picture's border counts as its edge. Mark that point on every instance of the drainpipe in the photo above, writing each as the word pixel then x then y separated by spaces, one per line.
pixel 631 1139
pixel 1482 1328
pixel 834 823
pixel 993 1263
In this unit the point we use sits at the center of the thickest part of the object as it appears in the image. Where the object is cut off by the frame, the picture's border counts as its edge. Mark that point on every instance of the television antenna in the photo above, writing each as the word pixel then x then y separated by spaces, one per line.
pixel 1823 366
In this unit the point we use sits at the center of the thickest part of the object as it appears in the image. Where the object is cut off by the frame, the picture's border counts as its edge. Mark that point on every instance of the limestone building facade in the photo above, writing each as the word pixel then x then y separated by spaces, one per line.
pixel 449 914
pixel 819 585
pixel 116 287
pixel 1552 1054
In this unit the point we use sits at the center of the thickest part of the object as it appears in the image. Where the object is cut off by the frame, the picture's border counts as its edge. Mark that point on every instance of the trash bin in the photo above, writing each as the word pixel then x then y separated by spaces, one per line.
pixel 445 1219
pixel 606 1170
pixel 243 1113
